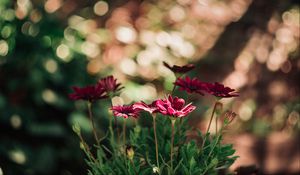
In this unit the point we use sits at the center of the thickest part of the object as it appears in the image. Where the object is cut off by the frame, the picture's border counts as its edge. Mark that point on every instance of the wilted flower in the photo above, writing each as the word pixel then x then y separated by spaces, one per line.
pixel 191 85
pixel 125 111
pixel 174 107
pixel 151 108
pixel 110 84
pixel 219 90
pixel 90 93
pixel 229 116
pixel 180 69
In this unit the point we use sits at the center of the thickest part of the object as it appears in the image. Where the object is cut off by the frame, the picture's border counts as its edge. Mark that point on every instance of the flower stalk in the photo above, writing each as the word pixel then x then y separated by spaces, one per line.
pixel 124 132
pixel 111 130
pixel 155 137
pixel 172 142
pixel 209 124
pixel 211 117
pixel 89 104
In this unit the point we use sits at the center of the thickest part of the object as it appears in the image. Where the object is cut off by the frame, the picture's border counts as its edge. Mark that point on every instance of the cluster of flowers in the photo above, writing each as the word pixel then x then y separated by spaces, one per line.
pixel 170 106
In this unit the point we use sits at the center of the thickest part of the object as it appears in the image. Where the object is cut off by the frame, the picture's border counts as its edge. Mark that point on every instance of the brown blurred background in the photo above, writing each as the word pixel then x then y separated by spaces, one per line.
pixel 46 46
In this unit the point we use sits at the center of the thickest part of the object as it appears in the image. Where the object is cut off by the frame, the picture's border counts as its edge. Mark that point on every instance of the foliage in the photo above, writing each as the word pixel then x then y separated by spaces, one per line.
pixel 189 157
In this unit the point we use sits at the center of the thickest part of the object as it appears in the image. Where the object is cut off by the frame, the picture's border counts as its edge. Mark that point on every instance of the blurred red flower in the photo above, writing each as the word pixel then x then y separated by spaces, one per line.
pixel 90 93
pixel 125 111
pixel 151 108
pixel 110 84
pixel 174 107
pixel 219 90
pixel 191 85
pixel 180 69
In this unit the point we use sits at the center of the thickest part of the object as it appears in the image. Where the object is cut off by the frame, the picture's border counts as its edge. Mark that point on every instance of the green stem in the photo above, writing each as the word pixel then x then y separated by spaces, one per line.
pixel 155 137
pixel 131 161
pixel 210 121
pixel 111 132
pixel 86 148
pixel 92 121
pixel 172 142
pixel 124 132
pixel 216 124
pixel 174 87
pixel 211 117
pixel 116 129
pixel 218 138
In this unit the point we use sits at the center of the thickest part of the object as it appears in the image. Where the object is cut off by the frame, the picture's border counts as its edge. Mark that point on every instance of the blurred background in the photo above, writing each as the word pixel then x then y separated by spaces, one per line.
pixel 48 46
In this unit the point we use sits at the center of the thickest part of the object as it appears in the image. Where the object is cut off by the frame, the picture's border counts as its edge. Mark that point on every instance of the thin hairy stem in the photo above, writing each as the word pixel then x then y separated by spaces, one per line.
pixel 211 117
pixel 216 120
pixel 111 130
pixel 174 87
pixel 172 142
pixel 155 137
pixel 86 148
pixel 131 161
pixel 124 132
pixel 210 121
pixel 92 121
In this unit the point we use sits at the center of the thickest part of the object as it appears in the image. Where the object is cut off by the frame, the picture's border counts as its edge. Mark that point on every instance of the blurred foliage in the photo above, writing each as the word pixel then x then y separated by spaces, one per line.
pixel 48 46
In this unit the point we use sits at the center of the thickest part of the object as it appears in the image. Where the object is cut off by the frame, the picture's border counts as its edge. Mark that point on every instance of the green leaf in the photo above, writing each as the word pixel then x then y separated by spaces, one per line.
pixel 192 163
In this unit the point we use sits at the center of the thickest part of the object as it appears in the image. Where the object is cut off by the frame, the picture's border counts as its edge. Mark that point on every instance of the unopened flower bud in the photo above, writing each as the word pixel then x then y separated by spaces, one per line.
pixel 155 170
pixel 76 128
pixel 129 152
pixel 229 117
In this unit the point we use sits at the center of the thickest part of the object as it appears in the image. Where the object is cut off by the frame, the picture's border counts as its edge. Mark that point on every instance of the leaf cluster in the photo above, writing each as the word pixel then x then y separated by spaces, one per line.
pixel 191 156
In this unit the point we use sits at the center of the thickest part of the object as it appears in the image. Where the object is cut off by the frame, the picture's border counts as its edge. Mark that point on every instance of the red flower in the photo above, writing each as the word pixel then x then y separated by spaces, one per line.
pixel 174 107
pixel 180 69
pixel 125 111
pixel 219 90
pixel 151 108
pixel 191 85
pixel 90 93
pixel 110 84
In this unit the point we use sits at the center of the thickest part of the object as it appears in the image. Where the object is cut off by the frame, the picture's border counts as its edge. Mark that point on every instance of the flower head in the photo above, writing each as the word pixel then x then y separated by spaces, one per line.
pixel 151 108
pixel 125 111
pixel 174 107
pixel 110 84
pixel 191 85
pixel 180 69
pixel 90 93
pixel 219 90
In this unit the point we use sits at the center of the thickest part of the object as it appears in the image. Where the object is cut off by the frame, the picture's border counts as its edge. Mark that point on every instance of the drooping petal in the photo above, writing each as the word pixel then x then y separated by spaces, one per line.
pixel 188 108
pixel 219 90
pixel 125 111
